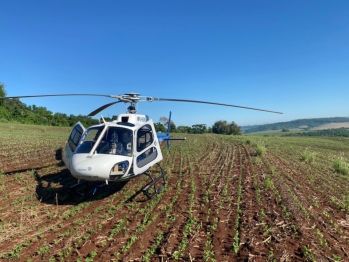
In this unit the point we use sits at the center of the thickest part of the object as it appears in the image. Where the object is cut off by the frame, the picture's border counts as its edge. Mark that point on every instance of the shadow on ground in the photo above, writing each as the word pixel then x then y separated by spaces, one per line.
pixel 55 189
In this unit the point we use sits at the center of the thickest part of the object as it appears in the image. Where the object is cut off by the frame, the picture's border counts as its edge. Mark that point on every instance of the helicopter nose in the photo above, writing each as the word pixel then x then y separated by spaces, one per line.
pixel 89 168
pixel 99 167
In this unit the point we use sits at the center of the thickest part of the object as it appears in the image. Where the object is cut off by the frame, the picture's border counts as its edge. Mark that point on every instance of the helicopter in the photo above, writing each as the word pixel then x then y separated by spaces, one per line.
pixel 122 149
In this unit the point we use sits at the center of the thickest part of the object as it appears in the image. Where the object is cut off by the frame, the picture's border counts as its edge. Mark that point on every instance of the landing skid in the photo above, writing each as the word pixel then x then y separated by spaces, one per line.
pixel 152 185
pixel 150 190
pixel 79 183
pixel 83 182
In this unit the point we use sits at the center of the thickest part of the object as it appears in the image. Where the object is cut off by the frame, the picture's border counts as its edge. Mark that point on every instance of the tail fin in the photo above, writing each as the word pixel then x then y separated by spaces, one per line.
pixel 169 125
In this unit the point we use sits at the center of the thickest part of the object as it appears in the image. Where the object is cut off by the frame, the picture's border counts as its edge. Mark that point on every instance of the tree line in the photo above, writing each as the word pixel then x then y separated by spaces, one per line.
pixel 219 127
pixel 13 110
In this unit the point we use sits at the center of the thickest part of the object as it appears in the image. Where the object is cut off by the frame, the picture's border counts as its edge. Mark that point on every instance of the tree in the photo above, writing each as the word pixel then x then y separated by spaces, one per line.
pixel 234 129
pixel 159 127
pixel 222 127
pixel 183 129
pixel 172 127
pixel 2 93
pixel 199 128
pixel 164 121
pixel 60 120
pixel 4 114
pixel 2 90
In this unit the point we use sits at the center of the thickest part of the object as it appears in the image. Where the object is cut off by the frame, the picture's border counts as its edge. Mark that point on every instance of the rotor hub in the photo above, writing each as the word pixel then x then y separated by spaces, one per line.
pixel 130 97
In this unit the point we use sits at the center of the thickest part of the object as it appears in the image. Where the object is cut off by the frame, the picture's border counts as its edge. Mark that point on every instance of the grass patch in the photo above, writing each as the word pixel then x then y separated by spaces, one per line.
pixel 340 167
pixel 268 183
pixel 261 149
pixel 308 156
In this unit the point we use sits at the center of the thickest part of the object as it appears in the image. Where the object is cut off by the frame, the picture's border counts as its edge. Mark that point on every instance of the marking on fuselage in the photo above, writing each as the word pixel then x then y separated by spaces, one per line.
pixel 141 119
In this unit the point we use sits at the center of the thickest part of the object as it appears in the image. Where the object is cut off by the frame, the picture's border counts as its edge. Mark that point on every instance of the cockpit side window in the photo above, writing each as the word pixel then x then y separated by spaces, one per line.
pixel 145 137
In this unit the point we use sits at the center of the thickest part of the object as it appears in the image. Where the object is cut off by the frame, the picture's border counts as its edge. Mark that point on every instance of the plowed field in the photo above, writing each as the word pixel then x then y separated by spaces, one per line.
pixel 226 199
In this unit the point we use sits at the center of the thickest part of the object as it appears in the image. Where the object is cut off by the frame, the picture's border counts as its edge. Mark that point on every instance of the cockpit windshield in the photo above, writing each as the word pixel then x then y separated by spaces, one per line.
pixel 113 141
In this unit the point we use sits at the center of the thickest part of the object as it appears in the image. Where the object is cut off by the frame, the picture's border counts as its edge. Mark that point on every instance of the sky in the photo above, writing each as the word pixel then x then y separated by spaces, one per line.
pixel 287 56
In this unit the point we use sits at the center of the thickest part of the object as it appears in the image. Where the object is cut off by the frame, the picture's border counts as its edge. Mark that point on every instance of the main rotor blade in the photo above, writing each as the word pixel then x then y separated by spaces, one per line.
pixel 112 96
pixel 213 103
pixel 102 108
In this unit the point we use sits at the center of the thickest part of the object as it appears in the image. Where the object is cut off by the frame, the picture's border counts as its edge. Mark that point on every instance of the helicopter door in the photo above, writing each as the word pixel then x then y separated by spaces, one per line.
pixel 147 150
pixel 72 143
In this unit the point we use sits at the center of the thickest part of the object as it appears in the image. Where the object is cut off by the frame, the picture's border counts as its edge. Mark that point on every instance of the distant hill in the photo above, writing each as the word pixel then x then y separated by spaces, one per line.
pixel 304 124
pixel 328 132
pixel 245 128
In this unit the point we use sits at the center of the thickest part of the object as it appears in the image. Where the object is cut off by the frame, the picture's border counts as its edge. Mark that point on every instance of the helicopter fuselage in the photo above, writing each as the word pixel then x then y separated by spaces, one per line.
pixel 113 151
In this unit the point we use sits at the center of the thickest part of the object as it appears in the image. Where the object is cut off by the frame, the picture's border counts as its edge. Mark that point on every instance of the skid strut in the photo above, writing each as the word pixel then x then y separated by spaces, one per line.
pixel 79 183
pixel 152 184
pixel 99 185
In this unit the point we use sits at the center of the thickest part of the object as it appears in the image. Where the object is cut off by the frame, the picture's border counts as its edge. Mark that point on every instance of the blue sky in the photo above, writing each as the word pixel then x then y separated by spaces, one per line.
pixel 288 56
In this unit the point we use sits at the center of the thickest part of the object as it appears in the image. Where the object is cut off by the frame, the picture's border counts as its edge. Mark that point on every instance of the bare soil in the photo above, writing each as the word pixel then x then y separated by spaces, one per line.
pixel 42 220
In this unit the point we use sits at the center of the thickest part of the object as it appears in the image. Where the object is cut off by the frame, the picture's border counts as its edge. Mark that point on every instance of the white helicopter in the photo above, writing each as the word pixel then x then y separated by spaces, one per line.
pixel 122 149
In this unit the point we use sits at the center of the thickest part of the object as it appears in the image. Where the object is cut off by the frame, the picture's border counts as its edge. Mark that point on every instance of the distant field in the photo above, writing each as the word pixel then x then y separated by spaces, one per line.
pixel 332 125
pixel 273 132
pixel 227 198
